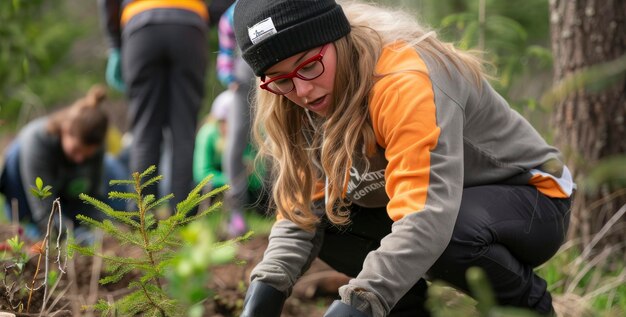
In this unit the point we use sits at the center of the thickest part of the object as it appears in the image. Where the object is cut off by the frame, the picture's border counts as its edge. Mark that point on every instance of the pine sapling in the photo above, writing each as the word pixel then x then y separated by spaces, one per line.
pixel 157 239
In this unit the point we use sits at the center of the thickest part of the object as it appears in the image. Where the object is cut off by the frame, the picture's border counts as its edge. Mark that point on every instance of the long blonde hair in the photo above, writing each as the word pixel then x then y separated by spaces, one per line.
pixel 299 144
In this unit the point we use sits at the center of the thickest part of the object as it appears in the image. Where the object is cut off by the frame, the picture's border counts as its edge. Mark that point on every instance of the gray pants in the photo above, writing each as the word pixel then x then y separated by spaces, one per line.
pixel 239 120
pixel 164 69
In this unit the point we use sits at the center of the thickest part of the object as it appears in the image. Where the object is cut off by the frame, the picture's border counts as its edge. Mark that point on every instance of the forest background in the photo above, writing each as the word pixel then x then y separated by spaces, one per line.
pixel 561 64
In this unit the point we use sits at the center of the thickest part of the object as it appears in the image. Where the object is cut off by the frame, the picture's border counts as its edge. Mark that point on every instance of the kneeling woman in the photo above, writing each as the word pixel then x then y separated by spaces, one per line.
pixel 65 149
pixel 424 169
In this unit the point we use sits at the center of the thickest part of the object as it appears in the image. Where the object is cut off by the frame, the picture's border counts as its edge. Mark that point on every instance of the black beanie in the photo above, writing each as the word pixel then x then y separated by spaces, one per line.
pixel 269 31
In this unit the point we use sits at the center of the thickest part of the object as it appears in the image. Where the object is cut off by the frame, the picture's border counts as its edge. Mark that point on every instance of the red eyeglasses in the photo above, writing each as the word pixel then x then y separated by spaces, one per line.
pixel 307 70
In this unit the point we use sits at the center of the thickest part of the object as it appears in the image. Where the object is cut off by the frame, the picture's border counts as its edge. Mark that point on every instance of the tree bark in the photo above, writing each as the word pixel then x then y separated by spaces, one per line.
pixel 590 126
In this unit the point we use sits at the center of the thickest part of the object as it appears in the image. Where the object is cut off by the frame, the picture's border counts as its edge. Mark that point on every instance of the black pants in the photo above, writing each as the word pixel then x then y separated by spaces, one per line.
pixel 164 68
pixel 505 230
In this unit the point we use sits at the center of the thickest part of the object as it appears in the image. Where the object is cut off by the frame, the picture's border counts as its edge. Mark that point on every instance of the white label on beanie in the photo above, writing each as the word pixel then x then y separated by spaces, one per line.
pixel 261 30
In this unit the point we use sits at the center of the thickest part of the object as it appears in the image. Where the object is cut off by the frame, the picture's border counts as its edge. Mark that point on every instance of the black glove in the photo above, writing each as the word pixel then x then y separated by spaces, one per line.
pixel 263 300
pixel 341 309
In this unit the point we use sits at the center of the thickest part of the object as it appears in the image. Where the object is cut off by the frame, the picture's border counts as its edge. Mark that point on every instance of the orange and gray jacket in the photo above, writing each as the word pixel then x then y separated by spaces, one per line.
pixel 132 14
pixel 437 133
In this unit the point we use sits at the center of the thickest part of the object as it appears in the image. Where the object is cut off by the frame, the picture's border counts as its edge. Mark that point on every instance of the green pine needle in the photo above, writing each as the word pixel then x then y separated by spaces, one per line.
pixel 148 171
pixel 151 181
pixel 122 195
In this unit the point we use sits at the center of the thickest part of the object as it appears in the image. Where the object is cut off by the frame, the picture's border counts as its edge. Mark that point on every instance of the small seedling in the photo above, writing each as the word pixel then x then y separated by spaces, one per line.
pixel 39 190
pixel 13 279
pixel 159 242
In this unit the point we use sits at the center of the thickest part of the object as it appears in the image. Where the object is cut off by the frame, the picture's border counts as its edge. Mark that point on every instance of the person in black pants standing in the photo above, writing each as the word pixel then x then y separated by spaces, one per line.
pixel 160 48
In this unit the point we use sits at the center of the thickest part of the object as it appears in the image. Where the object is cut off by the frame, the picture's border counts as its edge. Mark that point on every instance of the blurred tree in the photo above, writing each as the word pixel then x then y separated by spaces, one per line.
pixel 590 121
pixel 33 38
pixel 514 35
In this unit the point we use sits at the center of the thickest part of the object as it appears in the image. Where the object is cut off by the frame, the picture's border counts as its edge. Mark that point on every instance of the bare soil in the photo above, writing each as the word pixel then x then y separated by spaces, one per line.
pixel 79 287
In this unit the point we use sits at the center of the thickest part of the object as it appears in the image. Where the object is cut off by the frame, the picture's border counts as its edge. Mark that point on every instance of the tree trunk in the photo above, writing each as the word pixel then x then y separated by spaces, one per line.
pixel 590 126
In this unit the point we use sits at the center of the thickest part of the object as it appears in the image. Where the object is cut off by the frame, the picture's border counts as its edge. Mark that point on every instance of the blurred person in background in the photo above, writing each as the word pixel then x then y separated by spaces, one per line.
pixel 158 57
pixel 211 141
pixel 235 74
pixel 67 151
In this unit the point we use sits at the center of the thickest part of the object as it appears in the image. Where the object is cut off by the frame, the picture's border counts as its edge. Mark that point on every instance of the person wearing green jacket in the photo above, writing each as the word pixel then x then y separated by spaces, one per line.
pixel 209 150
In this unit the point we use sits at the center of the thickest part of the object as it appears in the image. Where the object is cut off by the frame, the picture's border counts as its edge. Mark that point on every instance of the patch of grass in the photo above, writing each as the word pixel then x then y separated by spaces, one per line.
pixel 587 283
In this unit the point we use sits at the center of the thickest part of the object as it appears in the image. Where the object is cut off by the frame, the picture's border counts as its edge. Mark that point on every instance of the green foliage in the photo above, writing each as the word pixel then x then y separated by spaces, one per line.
pixel 15 255
pixel 445 302
pixel 34 37
pixel 592 281
pixel 609 171
pixel 39 190
pixel 161 243
pixel 190 275
pixel 507 36
pixel 593 79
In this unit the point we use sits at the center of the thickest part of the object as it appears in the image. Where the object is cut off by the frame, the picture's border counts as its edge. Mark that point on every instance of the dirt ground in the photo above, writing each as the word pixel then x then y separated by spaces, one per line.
pixel 311 295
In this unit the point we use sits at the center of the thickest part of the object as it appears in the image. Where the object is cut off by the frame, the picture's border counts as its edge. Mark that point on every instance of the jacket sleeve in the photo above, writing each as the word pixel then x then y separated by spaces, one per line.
pixel 204 162
pixel 110 14
pixel 424 180
pixel 289 254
